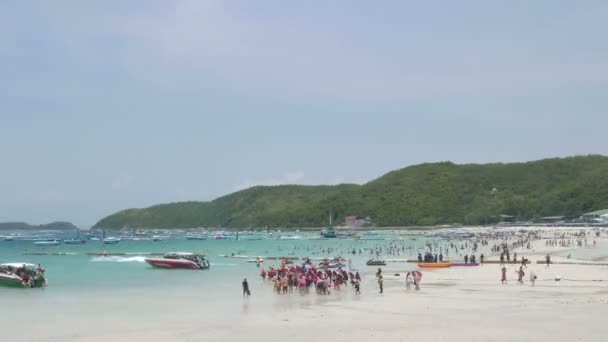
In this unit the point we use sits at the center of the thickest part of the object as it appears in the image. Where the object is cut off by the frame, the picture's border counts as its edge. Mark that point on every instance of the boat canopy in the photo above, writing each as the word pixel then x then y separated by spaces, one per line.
pixel 17 265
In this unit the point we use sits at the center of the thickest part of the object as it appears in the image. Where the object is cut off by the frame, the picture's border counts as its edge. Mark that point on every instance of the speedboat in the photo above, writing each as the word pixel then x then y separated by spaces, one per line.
pixel 182 260
pixel 21 275
pixel 111 240
pixel 47 243
pixel 7 238
pixel 160 237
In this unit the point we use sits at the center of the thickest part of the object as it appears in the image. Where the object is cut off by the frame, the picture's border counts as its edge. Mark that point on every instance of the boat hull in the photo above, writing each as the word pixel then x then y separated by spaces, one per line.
pixel 375 263
pixel 10 281
pixel 435 264
pixel 47 243
pixel 462 264
pixel 173 263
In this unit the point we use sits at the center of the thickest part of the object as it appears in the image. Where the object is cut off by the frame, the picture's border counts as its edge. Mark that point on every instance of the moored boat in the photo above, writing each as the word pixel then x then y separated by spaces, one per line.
pixel 47 243
pixel 183 260
pixel 435 264
pixel 375 263
pixel 328 233
pixel 74 242
pixel 21 275
pixel 196 237
pixel 111 240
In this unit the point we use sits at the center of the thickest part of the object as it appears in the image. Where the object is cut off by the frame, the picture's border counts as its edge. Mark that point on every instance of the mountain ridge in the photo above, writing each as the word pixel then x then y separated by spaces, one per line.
pixel 423 194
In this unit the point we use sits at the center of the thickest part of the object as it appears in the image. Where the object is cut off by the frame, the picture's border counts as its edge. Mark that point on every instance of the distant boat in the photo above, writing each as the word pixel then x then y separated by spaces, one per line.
pixel 8 238
pixel 47 243
pixel 111 240
pixel 375 263
pixel 74 242
pixel 160 237
pixel 328 233
pixel 196 237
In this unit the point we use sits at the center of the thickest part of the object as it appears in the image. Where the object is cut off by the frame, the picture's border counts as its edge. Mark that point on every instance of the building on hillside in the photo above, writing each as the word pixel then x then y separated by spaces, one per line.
pixel 553 219
pixel 358 221
pixel 507 218
pixel 596 216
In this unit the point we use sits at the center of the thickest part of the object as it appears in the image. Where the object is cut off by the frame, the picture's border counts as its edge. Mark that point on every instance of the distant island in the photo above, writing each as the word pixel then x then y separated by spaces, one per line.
pixel 420 195
pixel 49 226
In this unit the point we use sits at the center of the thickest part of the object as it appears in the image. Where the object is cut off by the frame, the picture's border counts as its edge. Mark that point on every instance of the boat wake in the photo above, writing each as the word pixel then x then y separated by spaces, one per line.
pixel 119 259
pixel 222 264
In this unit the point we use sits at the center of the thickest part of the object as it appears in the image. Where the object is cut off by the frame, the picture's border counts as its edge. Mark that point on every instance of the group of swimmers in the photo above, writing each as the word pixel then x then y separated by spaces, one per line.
pixel 303 276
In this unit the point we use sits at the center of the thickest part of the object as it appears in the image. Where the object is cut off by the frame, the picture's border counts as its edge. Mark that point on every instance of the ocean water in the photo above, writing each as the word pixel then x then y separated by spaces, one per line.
pixel 86 293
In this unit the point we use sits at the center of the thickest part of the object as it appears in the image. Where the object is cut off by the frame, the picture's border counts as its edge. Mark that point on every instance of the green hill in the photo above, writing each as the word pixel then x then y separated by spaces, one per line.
pixel 48 226
pixel 426 194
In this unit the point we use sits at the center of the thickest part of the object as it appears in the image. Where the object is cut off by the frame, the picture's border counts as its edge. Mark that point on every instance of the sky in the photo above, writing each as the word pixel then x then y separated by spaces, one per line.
pixel 107 105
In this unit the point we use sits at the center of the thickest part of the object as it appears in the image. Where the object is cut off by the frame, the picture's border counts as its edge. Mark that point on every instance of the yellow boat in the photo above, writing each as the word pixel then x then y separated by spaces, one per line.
pixel 435 264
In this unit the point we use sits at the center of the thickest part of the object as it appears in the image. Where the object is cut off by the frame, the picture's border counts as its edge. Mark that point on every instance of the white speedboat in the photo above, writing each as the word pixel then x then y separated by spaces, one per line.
pixel 160 237
pixel 47 243
pixel 111 240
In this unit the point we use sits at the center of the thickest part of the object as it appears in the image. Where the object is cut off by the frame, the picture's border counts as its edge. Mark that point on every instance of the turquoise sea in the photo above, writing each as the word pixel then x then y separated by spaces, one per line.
pixel 123 292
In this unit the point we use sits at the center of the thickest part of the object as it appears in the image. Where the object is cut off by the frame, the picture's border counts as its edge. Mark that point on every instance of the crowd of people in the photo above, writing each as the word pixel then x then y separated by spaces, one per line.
pixel 305 276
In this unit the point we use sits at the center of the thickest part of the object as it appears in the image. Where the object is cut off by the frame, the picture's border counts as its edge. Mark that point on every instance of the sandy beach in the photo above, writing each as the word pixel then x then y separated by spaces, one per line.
pixel 454 304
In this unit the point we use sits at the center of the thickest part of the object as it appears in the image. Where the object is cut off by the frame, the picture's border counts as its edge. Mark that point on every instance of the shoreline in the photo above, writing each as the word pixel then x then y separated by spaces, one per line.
pixel 567 303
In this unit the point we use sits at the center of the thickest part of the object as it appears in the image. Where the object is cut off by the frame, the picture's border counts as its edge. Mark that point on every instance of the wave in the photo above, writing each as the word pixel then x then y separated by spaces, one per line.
pixel 118 259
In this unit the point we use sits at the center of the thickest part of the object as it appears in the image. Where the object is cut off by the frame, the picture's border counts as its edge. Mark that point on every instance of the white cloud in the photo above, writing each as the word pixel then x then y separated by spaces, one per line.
pixel 215 38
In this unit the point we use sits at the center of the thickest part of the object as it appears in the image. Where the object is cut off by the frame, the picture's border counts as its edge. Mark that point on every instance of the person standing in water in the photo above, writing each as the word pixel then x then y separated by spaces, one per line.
pixel 381 283
pixel 520 275
pixel 246 292
pixel 532 278
pixel 408 281
pixel 503 278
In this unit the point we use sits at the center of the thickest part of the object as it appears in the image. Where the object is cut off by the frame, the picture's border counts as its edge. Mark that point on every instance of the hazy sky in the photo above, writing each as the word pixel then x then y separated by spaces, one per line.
pixel 106 105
